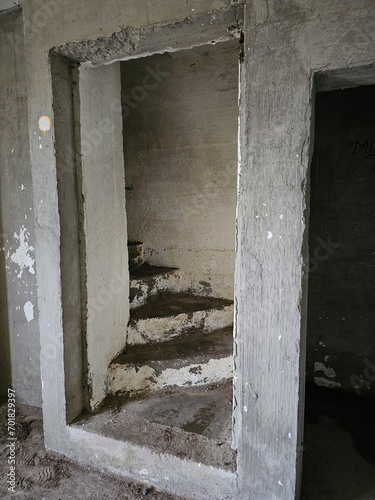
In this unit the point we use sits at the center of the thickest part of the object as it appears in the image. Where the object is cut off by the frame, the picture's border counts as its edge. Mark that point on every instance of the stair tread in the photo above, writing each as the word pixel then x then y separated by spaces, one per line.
pixel 147 271
pixel 178 303
pixel 191 347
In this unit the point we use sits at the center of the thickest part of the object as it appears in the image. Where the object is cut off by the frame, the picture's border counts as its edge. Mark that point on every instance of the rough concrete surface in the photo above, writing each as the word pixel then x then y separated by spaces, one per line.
pixel 193 424
pixel 175 315
pixel 104 224
pixel 180 147
pixel 193 359
pixel 19 331
pixel 49 476
pixel 150 283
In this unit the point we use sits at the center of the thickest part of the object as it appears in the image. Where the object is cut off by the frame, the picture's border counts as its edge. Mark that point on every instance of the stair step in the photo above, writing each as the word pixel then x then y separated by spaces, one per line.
pixel 177 315
pixel 148 283
pixel 195 359
pixel 136 254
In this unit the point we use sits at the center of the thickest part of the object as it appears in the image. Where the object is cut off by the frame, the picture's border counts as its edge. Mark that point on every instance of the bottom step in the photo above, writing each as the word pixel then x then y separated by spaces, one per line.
pixel 193 424
pixel 195 359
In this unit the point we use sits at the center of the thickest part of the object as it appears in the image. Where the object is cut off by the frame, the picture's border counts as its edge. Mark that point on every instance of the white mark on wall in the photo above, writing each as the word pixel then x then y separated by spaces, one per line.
pixel 245 408
pixel 280 483
pixel 144 472
pixel 269 235
pixel 323 382
pixel 281 216
pixel 328 372
pixel 28 309
pixel 22 256
pixel 22 187
pixel 44 123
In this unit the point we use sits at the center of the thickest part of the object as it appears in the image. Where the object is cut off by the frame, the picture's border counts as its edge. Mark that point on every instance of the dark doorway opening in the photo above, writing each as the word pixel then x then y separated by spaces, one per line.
pixel 339 443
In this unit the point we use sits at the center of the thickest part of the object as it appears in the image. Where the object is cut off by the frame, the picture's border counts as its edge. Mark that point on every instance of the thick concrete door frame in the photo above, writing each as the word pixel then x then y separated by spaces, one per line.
pixel 104 223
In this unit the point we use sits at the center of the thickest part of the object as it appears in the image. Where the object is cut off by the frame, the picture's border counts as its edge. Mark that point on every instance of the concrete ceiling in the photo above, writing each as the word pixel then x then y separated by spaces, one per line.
pixel 9 4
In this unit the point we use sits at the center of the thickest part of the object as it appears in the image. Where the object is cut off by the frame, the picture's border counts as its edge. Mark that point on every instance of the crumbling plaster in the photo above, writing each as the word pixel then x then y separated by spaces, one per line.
pixel 19 332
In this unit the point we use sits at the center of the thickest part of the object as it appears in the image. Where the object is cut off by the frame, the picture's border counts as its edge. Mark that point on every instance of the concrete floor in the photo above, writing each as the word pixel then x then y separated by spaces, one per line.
pixel 334 468
pixel 193 423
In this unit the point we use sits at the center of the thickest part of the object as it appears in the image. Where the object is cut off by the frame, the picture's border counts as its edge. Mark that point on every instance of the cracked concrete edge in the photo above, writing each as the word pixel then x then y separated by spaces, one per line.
pixel 159 469
pixel 130 42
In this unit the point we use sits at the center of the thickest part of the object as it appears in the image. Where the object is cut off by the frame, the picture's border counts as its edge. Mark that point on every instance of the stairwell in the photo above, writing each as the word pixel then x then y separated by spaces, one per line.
pixel 174 338
pixel 171 389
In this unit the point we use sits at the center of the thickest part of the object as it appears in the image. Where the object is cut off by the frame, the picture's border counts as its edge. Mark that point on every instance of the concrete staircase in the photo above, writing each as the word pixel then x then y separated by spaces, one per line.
pixel 174 339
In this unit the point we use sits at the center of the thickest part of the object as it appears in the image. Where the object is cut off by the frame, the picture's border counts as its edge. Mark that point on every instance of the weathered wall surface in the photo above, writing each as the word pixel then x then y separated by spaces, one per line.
pixel 19 334
pixel 285 44
pixel 104 221
pixel 341 316
pixel 180 149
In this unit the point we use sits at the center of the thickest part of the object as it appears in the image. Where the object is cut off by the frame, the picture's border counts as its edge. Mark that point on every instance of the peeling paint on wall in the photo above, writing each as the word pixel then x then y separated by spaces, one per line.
pixel 28 309
pixel 22 255
pixel 323 382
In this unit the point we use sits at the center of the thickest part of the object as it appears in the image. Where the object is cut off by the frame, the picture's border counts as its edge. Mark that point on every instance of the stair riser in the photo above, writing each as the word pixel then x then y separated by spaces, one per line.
pixel 143 291
pixel 127 378
pixel 161 329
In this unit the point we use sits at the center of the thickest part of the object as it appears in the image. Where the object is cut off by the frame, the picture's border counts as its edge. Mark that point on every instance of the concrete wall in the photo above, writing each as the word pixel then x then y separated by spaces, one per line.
pixel 104 223
pixel 19 332
pixel 286 44
pixel 341 316
pixel 180 147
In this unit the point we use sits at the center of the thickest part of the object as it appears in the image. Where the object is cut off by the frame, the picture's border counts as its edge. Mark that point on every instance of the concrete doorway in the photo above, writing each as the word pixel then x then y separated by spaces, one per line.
pixel 339 439
pixel 157 347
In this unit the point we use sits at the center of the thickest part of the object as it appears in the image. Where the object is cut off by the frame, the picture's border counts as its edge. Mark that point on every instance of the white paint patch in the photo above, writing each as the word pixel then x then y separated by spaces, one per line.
pixel 328 372
pixel 269 235
pixel 44 123
pixel 22 187
pixel 280 483
pixel 28 309
pixel 281 216
pixel 22 255
pixel 323 382
pixel 290 435
pixel 144 472
pixel 319 367
pixel 245 408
